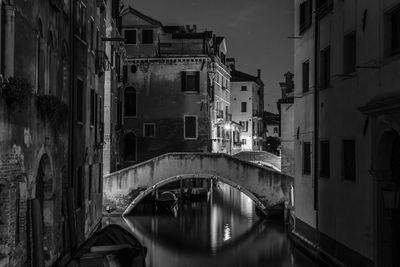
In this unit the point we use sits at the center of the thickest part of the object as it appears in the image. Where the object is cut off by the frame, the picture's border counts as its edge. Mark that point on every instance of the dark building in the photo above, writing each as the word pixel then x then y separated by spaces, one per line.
pixel 51 123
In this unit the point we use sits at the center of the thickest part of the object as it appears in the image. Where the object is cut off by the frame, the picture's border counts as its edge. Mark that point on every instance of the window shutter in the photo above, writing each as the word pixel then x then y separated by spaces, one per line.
pixel 197 81
pixel 183 77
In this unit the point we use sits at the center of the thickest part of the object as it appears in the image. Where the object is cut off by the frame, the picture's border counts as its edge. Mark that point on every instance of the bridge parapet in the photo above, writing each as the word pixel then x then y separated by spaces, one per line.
pixel 120 189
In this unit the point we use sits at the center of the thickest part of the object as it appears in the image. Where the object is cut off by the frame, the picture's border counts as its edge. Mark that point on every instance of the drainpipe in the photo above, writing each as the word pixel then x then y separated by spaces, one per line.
pixel 316 119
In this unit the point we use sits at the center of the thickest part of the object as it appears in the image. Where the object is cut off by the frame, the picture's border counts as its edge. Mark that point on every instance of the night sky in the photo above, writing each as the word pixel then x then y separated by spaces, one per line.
pixel 256 32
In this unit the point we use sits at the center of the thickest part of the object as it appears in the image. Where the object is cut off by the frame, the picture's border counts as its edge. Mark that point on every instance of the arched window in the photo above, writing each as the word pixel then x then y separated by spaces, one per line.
pixel 130 147
pixel 65 72
pixel 40 59
pixel 130 102
pixel 52 75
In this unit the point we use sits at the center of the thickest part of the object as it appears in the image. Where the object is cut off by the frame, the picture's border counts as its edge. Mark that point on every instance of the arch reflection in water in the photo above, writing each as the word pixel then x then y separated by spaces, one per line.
pixel 221 231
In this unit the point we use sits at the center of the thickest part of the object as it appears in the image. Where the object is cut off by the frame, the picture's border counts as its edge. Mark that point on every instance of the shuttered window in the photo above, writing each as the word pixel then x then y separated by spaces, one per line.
pixel 147 36
pixel 307 158
pixel 349 53
pixel 191 81
pixel 325 159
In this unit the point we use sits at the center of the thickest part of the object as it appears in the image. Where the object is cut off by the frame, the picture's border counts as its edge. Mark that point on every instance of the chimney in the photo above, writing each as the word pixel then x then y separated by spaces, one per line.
pixel 258 73
pixel 194 28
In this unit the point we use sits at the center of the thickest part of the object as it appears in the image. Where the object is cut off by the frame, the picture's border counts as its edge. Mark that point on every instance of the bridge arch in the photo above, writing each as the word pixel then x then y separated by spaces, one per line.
pixel 168 180
pixel 261 184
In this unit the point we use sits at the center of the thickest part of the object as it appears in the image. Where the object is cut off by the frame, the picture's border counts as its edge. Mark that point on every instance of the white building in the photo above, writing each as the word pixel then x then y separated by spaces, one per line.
pixel 247 105
pixel 341 178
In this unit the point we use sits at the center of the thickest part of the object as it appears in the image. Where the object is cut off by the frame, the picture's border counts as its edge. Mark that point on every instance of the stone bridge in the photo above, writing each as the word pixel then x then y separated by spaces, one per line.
pixel 122 190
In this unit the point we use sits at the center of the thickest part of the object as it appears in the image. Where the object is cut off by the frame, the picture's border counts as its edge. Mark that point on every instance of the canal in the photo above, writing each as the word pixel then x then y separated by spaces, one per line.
pixel 221 230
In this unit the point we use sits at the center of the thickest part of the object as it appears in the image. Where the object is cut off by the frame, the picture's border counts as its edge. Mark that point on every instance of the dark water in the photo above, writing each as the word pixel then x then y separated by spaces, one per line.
pixel 221 231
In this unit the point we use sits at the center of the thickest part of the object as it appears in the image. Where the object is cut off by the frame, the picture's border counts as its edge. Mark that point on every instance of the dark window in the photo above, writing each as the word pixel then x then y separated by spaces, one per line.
pixel 90 182
pixel 91 35
pixel 306 76
pixel 147 36
pixel 349 160
pixel 218 131
pixel 92 107
pixel 149 130
pixel 83 22
pixel 190 127
pixel 325 159
pixel 191 81
pixel 97 39
pixel 307 158
pixel 244 107
pixel 244 88
pixel 130 101
pixel 325 72
pixel 130 36
pixel 79 100
pixel 119 114
pixel 349 53
pixel 275 129
pixel 324 7
pixel 79 187
pixel 130 147
pixel 305 16
pixel 100 185
pixel 395 31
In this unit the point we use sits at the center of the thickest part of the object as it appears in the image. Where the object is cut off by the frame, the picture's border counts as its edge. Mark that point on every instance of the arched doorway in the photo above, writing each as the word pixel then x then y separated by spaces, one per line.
pixel 43 214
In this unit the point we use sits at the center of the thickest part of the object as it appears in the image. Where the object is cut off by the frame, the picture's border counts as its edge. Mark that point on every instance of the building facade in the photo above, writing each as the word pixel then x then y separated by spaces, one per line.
pixel 174 77
pixel 50 129
pixel 347 129
pixel 247 105
pixel 286 125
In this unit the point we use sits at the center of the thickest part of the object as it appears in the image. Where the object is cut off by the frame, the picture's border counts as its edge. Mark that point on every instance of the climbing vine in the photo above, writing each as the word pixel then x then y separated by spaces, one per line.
pixel 15 90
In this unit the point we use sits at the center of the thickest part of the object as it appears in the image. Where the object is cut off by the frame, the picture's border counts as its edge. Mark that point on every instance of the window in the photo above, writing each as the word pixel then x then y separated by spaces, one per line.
pixel 130 147
pixel 119 114
pixel 130 102
pixel 325 68
pixel 190 127
pixel 349 53
pixel 97 39
pixel 325 159
pixel 130 36
pixel 218 131
pixel 324 7
pixel 149 130
pixel 147 36
pixel 191 81
pixel 349 160
pixel 244 107
pixel 90 182
pixel 307 158
pixel 275 129
pixel 92 107
pixel 79 100
pixel 394 31
pixel 100 185
pixel 306 76
pixel 243 141
pixel 245 125
pixel 91 44
pixel 79 188
pixel 305 16
pixel 244 88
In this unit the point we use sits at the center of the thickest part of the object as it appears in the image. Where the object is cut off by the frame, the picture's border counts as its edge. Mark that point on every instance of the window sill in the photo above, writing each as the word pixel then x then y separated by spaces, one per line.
pixel 80 39
pixel 190 138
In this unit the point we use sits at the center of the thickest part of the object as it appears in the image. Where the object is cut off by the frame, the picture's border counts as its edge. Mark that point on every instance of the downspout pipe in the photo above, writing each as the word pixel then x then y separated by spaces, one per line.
pixel 316 119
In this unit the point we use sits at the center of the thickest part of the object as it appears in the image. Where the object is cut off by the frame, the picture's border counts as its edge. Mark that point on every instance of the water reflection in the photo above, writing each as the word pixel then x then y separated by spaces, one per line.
pixel 221 231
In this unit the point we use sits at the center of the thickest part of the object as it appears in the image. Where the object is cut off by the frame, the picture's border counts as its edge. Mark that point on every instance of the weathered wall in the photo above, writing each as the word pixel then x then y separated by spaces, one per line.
pixel 160 100
pixel 287 138
pixel 270 186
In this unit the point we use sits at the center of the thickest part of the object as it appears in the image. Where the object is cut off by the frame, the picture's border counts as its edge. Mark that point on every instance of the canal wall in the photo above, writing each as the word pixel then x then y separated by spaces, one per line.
pixel 122 187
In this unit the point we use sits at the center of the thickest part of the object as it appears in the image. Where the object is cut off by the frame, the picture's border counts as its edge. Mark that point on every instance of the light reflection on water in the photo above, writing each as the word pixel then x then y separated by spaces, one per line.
pixel 223 231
